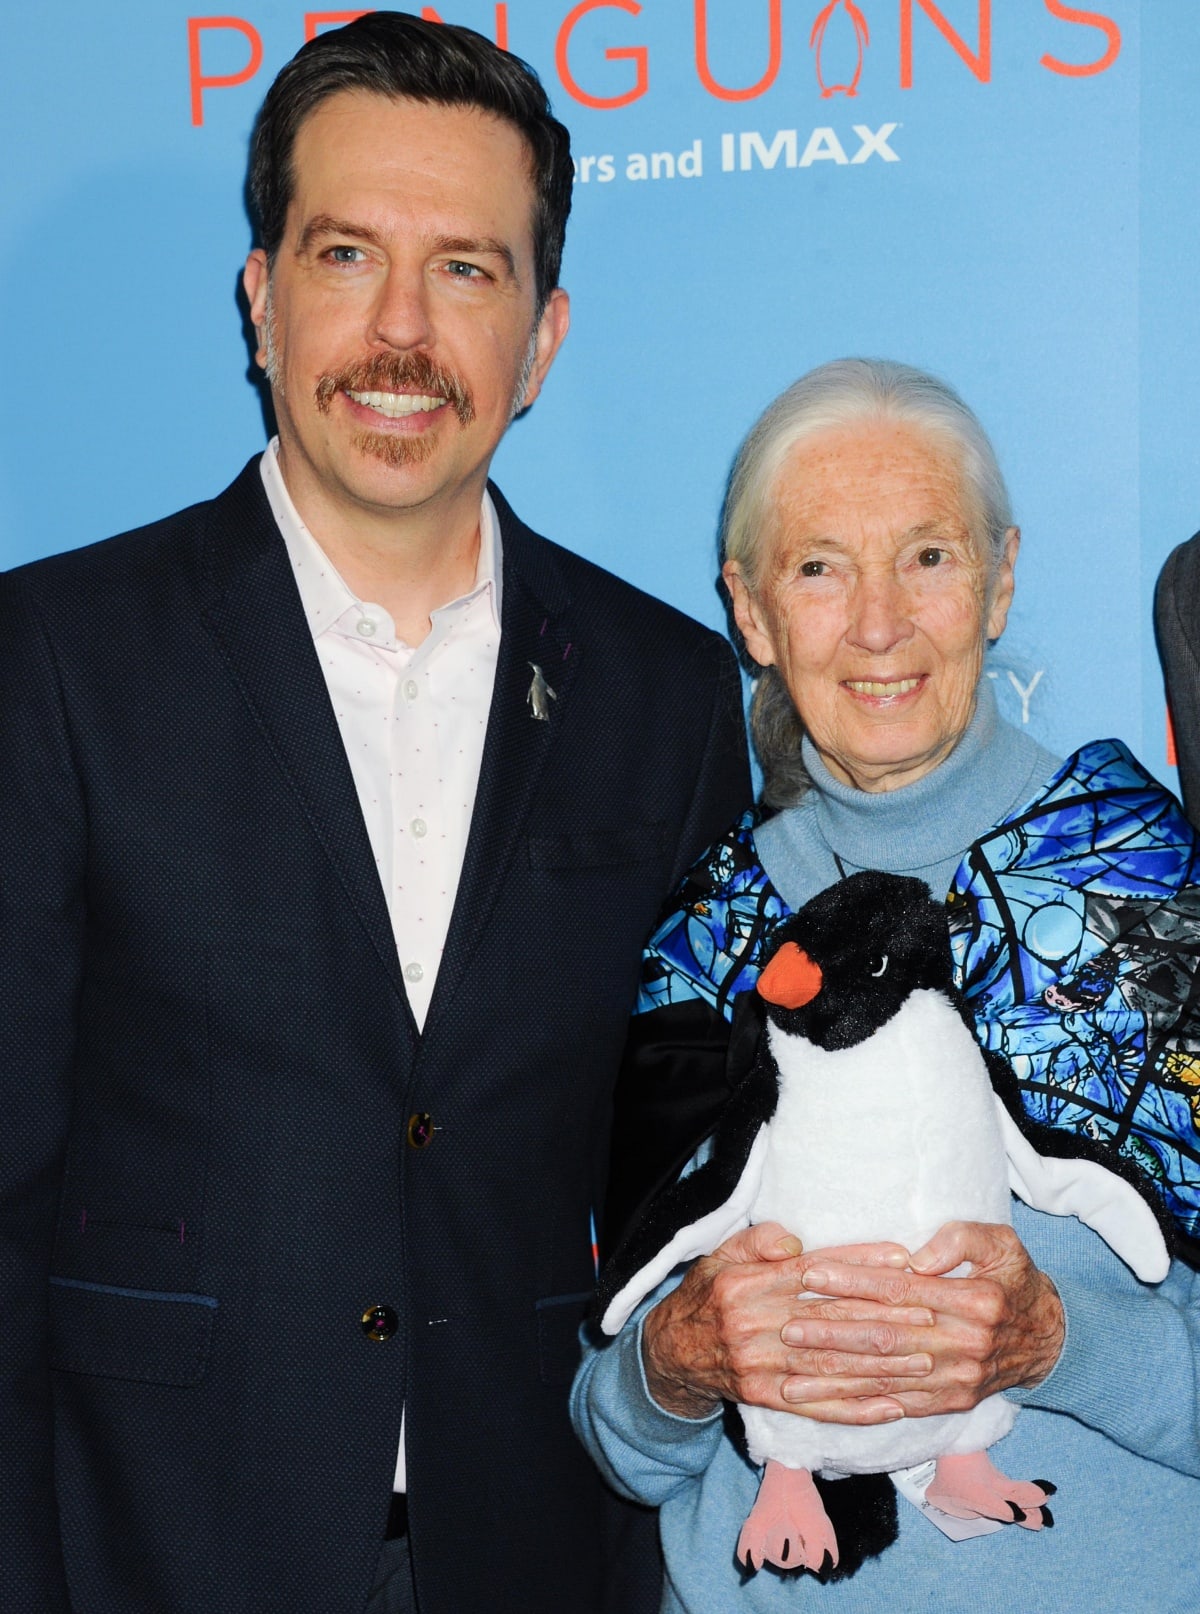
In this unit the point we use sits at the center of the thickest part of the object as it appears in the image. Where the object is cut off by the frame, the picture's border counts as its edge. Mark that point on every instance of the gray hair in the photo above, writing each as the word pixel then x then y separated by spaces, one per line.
pixel 847 392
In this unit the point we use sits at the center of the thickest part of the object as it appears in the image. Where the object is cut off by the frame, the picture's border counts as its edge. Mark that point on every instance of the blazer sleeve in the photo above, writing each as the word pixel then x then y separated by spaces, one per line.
pixel 1177 628
pixel 672 1081
pixel 43 836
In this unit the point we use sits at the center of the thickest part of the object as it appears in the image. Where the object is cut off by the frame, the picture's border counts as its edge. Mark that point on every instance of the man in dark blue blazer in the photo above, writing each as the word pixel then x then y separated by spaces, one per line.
pixel 295 1194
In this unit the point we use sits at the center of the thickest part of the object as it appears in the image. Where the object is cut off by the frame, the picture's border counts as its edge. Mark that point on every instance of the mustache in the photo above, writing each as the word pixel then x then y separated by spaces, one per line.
pixel 398 372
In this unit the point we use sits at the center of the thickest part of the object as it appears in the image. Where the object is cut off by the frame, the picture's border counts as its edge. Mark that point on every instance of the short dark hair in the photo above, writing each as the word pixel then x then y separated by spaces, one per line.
pixel 391 53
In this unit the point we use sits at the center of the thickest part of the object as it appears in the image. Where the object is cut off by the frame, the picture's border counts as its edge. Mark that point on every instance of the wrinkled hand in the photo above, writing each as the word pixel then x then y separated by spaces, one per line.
pixel 723 1333
pixel 999 1326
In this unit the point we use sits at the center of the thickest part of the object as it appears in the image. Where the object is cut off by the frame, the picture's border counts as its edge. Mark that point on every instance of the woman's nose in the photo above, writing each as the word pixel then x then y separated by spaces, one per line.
pixel 880 617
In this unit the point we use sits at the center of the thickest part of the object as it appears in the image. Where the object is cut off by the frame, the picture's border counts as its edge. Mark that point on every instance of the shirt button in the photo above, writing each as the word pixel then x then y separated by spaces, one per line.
pixel 420 1130
pixel 366 627
pixel 419 827
pixel 414 972
pixel 379 1322
pixel 411 689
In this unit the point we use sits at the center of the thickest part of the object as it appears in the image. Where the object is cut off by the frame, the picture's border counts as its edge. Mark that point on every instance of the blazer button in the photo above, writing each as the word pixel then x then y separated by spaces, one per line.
pixel 420 1130
pixel 379 1322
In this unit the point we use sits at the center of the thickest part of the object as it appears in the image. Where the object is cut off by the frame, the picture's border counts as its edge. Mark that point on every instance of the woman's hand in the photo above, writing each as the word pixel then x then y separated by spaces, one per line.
pixel 884 1335
pixel 721 1333
pixel 1002 1325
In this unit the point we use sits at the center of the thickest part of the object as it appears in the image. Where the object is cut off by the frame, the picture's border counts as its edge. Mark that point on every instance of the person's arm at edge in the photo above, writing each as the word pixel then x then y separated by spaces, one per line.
pixel 1176 609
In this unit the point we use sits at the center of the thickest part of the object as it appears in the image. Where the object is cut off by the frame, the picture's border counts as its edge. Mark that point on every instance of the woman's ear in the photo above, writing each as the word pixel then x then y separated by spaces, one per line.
pixel 749 616
pixel 1003 584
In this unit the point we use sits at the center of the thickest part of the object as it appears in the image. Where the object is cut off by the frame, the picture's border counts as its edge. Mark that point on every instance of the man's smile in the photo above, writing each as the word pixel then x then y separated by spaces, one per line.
pixel 395 405
pixel 398 387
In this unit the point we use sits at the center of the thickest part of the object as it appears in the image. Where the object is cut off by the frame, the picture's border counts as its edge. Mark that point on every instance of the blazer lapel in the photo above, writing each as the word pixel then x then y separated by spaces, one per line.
pixel 535 633
pixel 254 612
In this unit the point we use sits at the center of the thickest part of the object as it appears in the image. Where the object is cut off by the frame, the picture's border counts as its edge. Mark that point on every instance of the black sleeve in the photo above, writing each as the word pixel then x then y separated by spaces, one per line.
pixel 43 836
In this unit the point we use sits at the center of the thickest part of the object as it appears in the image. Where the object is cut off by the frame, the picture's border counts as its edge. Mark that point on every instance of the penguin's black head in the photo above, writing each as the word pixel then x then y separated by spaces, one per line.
pixel 843 965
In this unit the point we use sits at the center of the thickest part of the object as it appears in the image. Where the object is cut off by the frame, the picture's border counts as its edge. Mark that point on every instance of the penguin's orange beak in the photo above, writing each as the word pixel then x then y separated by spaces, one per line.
pixel 791 979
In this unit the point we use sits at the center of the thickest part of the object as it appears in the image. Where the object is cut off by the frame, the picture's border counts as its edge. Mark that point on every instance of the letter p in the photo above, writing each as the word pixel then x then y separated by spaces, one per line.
pixel 219 81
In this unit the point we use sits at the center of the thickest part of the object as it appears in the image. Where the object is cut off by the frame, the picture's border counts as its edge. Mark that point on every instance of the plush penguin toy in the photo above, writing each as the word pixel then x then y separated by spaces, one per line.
pixel 871 1113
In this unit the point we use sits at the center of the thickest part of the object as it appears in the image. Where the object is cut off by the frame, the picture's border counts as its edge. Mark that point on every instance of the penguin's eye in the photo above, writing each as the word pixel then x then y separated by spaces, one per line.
pixel 878 964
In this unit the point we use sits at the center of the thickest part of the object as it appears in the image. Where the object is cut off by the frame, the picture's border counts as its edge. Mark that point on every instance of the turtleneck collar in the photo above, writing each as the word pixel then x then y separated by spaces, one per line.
pixel 921 829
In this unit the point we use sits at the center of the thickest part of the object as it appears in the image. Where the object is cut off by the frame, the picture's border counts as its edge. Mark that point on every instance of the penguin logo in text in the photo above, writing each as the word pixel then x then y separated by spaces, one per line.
pixel 817 42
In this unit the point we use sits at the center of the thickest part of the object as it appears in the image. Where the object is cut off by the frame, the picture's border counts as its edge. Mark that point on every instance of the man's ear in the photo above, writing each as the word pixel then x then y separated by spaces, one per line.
pixel 256 279
pixel 1003 584
pixel 749 616
pixel 547 339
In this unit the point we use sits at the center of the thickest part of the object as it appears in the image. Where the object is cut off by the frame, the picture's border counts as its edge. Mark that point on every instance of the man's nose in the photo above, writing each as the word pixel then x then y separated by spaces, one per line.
pixel 400 316
pixel 880 618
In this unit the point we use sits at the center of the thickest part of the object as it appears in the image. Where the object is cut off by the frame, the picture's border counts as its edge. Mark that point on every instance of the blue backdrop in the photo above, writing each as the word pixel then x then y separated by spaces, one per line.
pixel 1006 198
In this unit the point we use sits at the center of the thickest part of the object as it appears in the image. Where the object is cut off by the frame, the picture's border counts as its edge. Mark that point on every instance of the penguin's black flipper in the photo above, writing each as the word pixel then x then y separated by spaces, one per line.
pixel 1070 1175
pixel 700 1210
pixel 681 1065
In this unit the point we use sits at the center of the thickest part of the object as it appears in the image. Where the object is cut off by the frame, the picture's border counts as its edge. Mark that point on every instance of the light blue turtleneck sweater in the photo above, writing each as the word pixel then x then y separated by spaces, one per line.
pixel 921 829
pixel 1116 1424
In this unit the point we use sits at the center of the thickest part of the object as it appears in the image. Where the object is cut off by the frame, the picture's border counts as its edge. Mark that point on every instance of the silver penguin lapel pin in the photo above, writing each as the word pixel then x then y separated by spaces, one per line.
pixel 540 695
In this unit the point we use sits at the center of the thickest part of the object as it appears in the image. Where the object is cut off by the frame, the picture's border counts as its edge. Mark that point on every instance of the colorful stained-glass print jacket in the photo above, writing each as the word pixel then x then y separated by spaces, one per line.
pixel 1075 927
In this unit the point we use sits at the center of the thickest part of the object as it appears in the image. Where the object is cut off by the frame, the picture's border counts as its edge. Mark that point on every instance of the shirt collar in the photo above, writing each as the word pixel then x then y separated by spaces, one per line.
pixel 325 594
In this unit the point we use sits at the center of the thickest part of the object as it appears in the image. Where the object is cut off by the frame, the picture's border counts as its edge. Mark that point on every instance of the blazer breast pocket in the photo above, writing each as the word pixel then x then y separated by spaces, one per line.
pixel 624 846
pixel 142 1334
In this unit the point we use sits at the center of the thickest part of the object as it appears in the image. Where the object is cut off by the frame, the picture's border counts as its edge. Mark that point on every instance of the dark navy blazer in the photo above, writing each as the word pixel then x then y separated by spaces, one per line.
pixel 209 1065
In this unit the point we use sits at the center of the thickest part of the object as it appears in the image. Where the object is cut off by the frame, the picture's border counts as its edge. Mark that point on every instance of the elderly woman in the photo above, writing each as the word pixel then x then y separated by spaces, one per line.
pixel 870 558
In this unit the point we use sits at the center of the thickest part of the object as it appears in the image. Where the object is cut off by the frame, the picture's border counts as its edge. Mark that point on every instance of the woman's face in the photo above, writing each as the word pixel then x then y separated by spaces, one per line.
pixel 874 601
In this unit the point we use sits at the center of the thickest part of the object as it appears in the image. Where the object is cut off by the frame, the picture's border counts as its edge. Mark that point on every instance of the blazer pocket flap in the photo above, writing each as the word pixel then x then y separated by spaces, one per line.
pixel 600 848
pixel 141 1334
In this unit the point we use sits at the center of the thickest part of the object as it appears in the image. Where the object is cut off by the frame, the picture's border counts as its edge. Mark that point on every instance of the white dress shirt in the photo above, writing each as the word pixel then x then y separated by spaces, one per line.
pixel 413 723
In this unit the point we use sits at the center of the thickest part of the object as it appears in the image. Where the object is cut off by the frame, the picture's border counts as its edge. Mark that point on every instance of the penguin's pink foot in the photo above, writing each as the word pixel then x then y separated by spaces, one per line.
pixel 788 1525
pixel 971 1487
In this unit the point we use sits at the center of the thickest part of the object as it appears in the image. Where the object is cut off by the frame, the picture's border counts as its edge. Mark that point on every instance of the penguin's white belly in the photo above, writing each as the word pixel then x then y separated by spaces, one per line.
pixel 886 1140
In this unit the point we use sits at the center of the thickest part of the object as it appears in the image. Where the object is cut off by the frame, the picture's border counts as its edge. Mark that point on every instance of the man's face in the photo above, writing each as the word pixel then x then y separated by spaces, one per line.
pixel 397 323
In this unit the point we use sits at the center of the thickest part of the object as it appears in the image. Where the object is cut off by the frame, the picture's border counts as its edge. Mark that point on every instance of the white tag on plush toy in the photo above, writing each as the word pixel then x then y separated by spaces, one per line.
pixel 912 1483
